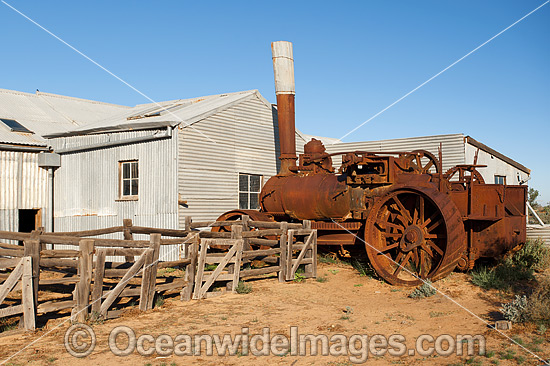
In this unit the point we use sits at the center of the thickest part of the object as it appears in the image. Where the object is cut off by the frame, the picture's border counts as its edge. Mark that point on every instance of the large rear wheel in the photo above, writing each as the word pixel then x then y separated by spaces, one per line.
pixel 414 234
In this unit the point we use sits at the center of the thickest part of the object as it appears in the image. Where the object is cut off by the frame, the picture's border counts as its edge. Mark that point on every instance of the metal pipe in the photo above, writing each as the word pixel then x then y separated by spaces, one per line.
pixel 102 145
pixel 50 219
pixel 23 148
pixel 283 70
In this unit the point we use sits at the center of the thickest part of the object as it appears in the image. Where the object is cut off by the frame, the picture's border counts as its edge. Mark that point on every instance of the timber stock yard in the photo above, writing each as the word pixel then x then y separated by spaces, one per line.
pixel 161 204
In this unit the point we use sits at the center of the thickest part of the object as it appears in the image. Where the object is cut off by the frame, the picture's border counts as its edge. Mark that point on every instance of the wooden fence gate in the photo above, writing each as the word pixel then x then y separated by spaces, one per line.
pixel 23 272
pixel 229 263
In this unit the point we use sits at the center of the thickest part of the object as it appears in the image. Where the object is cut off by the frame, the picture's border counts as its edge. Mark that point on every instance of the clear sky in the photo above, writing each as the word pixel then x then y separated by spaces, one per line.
pixel 352 59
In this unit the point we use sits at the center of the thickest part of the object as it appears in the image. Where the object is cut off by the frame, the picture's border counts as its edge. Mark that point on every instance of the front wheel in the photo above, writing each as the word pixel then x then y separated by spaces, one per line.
pixel 414 234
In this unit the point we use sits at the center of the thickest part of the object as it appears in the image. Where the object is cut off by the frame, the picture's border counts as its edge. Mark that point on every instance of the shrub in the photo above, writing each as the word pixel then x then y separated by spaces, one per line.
pixel 538 304
pixel 534 255
pixel 424 290
pixel 534 308
pixel 321 279
pixel 159 301
pixel 515 311
pixel 501 277
pixel 243 288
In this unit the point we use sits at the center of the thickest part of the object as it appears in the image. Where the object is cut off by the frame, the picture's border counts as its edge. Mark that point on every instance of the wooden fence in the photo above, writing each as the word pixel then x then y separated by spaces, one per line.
pixel 83 281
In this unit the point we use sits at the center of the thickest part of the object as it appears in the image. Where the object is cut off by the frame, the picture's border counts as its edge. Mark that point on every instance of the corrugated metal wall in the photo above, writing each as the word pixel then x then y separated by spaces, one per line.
pixel 241 139
pixel 452 147
pixel 87 187
pixel 23 185
pixel 539 232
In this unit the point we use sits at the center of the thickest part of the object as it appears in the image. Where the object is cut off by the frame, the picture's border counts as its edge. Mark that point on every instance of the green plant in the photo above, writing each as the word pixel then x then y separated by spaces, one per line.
pixel 515 311
pixel 501 277
pixel 507 355
pixel 534 308
pixel 333 271
pixel 538 303
pixel 534 255
pixel 159 301
pixel 489 354
pixel 321 279
pixel 424 290
pixel 541 329
pixel 210 267
pixel 298 277
pixel 243 288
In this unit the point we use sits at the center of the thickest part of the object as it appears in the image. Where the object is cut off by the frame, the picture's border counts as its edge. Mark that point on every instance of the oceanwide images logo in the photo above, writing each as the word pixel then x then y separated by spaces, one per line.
pixel 80 341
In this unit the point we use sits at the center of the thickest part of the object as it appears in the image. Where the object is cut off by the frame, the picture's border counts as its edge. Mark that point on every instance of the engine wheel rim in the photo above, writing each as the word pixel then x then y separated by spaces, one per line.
pixel 411 238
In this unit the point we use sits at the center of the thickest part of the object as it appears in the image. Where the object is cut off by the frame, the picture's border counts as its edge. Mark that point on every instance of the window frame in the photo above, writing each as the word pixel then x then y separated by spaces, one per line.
pixel 121 179
pixel 249 191
pixel 500 176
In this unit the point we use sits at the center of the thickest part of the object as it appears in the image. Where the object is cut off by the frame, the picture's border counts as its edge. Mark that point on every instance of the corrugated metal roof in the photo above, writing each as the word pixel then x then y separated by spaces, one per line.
pixel 45 113
pixel 154 115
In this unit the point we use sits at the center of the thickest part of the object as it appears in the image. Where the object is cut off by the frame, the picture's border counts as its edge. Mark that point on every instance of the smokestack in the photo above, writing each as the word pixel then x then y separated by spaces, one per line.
pixel 283 69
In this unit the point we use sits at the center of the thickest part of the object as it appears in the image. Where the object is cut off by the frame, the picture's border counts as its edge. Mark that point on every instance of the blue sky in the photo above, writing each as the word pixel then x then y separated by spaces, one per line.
pixel 352 59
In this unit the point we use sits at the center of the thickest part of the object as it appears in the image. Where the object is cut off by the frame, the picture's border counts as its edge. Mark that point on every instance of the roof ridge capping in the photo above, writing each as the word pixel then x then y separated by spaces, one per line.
pixel 197 99
pixel 502 157
pixel 39 93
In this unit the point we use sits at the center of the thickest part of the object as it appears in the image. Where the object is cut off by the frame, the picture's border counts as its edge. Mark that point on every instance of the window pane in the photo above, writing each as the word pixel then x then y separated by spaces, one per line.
pixel 243 201
pixel 243 182
pixel 125 187
pixel 255 183
pixel 134 187
pixel 135 170
pixel 254 204
pixel 125 170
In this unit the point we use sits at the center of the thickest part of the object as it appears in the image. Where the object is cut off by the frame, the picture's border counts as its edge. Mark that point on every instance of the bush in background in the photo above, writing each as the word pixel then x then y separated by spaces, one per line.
pixel 534 255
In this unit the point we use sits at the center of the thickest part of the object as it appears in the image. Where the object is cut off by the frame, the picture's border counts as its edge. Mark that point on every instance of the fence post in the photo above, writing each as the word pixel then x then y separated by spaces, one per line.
pixel 284 252
pixel 28 295
pixel 236 233
pixel 290 245
pixel 97 293
pixel 127 232
pixel 187 225
pixel 191 268
pixel 85 265
pixel 32 249
pixel 151 271
pixel 311 269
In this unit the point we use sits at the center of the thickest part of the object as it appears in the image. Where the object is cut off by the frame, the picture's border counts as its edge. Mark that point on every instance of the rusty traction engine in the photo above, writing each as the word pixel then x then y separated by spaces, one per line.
pixel 400 206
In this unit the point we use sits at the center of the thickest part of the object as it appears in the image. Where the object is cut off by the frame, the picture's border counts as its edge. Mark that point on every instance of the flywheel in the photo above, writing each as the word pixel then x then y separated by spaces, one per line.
pixel 414 233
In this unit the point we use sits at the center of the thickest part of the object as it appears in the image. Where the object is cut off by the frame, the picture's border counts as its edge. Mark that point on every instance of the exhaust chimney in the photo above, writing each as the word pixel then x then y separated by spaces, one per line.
pixel 283 69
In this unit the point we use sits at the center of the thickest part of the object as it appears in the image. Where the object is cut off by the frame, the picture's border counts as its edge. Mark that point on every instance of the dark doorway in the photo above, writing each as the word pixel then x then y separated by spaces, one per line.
pixel 29 220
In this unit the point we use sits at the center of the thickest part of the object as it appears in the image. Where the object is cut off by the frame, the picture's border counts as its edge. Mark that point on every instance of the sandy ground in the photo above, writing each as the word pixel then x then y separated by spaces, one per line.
pixel 346 303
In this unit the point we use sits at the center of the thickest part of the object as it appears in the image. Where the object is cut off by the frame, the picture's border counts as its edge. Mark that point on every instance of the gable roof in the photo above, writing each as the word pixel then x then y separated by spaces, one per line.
pixel 169 113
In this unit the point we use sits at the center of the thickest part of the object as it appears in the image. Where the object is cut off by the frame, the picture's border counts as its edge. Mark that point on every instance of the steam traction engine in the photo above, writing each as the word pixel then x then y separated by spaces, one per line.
pixel 400 206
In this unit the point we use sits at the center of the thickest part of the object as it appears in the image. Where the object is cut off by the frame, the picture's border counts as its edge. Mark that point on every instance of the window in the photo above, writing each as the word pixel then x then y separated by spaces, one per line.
pixel 15 126
pixel 249 191
pixel 500 179
pixel 129 179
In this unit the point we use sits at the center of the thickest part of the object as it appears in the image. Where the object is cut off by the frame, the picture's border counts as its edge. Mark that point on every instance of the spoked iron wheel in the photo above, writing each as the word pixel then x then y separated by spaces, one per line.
pixel 414 234
pixel 425 163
